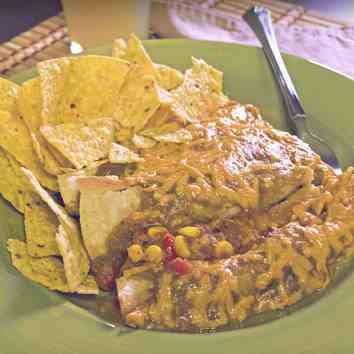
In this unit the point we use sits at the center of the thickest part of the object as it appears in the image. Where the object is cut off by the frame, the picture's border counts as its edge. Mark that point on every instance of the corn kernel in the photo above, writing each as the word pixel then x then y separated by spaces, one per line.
pixel 135 253
pixel 156 231
pixel 154 254
pixel 224 249
pixel 190 231
pixel 182 248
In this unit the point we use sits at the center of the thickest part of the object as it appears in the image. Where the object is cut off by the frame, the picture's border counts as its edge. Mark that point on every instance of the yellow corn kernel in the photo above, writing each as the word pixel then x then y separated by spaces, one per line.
pixel 135 253
pixel 154 254
pixel 182 248
pixel 156 231
pixel 190 231
pixel 224 249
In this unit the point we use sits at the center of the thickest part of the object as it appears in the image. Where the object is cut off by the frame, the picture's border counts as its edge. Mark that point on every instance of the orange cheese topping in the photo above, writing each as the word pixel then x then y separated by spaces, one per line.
pixel 290 220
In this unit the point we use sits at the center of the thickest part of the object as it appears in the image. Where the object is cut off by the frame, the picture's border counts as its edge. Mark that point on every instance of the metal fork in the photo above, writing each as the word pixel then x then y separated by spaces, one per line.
pixel 260 20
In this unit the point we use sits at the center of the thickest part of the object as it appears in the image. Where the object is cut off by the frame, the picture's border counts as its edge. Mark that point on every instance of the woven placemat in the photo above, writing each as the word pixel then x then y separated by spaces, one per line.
pixel 50 39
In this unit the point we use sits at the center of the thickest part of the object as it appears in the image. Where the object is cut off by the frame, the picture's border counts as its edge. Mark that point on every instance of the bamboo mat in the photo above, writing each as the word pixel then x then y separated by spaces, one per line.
pixel 50 38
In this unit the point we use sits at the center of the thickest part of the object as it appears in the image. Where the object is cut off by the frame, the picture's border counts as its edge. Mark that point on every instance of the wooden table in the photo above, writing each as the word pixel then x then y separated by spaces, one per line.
pixel 50 38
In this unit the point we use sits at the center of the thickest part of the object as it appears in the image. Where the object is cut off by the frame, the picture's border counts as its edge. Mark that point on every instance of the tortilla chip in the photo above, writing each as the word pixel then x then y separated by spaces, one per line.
pixel 80 88
pixel 69 191
pixel 200 92
pixel 168 78
pixel 101 212
pixel 48 159
pixel 68 186
pixel 120 49
pixel 101 183
pixel 138 55
pixel 143 142
pixel 207 73
pixel 121 154
pixel 160 117
pixel 138 100
pixel 47 271
pixel 76 262
pixel 53 268
pixel 123 135
pixel 9 93
pixel 134 53
pixel 30 107
pixel 178 136
pixel 13 186
pixel 64 163
pixel 41 225
pixel 30 104
pixel 81 143
pixel 16 140
pixel 161 129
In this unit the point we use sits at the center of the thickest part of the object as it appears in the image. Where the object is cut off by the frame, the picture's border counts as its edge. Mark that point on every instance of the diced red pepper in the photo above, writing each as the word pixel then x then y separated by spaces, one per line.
pixel 170 254
pixel 108 271
pixel 168 244
pixel 168 241
pixel 105 280
pixel 180 266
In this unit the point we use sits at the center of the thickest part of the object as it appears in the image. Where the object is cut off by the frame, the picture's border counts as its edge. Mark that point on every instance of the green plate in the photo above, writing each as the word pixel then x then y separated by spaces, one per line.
pixel 34 320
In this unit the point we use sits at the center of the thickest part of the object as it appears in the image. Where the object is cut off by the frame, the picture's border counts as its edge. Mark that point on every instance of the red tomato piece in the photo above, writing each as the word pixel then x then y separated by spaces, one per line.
pixel 105 280
pixel 170 254
pixel 180 266
pixel 168 241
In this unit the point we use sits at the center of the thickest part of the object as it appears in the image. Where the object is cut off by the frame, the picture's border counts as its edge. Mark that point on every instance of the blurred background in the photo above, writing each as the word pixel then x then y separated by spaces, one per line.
pixel 17 16
pixel 30 31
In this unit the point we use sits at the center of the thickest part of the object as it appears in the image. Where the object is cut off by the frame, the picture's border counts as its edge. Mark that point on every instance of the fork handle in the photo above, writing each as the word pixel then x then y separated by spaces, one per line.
pixel 260 20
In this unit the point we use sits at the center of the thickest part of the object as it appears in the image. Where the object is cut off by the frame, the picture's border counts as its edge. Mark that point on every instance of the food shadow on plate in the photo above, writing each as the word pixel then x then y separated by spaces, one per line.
pixel 103 307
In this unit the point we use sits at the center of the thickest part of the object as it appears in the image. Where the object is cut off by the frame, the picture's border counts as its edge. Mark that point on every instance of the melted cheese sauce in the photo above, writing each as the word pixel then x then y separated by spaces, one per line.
pixel 295 216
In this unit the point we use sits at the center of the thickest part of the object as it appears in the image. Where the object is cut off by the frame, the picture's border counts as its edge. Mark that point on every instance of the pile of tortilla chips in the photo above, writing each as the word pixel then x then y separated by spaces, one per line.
pixel 73 129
